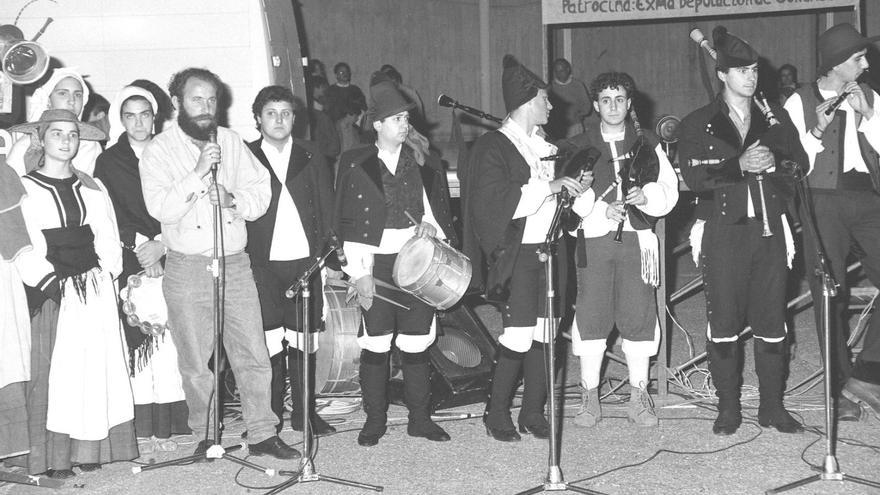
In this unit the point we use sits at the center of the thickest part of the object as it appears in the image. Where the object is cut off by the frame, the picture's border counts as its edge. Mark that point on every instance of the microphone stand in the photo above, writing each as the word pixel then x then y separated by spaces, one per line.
pixel 830 470
pixel 218 272
pixel 554 481
pixel 307 471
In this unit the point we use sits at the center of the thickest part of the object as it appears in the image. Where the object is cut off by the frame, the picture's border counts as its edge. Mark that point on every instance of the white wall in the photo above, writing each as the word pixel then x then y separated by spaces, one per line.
pixel 114 42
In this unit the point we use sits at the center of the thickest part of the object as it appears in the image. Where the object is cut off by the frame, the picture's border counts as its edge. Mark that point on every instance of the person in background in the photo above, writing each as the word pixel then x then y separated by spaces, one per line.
pixel 571 102
pixel 788 82
pixel 160 407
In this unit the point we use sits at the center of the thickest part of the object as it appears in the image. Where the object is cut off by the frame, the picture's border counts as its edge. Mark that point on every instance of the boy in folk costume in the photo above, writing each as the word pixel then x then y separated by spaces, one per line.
pixel 616 280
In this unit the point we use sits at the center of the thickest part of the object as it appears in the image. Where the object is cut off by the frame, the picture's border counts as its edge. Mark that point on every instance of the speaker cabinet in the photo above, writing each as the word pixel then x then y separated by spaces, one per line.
pixel 461 361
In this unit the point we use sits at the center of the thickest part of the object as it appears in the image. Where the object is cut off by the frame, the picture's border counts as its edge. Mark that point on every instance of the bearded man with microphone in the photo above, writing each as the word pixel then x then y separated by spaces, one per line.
pixel 838 120
pixel 724 155
pixel 176 176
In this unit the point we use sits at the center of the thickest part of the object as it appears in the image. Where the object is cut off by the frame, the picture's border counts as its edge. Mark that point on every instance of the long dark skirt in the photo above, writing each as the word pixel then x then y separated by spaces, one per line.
pixel 50 450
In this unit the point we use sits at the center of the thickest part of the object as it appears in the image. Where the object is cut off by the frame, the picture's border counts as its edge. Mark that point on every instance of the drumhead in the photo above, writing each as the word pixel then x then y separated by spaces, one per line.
pixel 413 261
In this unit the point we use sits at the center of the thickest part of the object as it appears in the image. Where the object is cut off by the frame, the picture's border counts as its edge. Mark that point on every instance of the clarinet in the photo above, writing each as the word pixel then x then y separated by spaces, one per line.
pixel 626 175
pixel 762 104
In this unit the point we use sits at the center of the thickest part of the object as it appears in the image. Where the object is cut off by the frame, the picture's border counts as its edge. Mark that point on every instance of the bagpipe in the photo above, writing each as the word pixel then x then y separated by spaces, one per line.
pixel 638 166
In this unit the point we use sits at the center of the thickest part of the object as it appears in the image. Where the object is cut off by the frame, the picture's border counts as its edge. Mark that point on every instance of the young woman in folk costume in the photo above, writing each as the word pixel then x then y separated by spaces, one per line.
pixel 65 90
pixel 160 406
pixel 79 402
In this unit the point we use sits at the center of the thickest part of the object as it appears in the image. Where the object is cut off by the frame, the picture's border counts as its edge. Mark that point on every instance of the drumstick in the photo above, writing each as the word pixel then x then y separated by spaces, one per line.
pixel 411 219
pixel 377 296
pixel 379 282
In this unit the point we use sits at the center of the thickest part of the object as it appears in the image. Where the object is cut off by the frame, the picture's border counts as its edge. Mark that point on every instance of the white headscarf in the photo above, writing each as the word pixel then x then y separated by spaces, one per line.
pixel 40 100
pixel 116 127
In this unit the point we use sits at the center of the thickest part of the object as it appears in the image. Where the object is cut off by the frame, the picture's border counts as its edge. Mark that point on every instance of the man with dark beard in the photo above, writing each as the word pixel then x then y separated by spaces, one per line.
pixel 178 191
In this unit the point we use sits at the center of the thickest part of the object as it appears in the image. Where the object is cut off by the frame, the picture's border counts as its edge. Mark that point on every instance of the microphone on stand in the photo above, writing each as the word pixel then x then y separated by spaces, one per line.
pixel 701 40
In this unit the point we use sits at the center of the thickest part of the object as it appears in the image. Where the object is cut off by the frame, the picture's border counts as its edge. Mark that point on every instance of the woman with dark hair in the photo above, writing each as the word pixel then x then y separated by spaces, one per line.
pixel 160 407
pixel 79 401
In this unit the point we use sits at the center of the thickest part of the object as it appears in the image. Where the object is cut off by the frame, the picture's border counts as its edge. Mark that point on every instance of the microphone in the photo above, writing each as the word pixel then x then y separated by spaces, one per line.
pixel 701 40
pixel 212 138
pixel 337 246
pixel 839 101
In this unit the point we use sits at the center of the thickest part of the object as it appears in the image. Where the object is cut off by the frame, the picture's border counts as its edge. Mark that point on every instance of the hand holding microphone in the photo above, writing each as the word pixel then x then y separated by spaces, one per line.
pixel 210 156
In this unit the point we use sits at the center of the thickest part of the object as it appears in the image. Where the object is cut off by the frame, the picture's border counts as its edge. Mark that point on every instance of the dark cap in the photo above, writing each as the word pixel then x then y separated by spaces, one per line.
pixel 838 44
pixel 518 84
pixel 385 98
pixel 732 51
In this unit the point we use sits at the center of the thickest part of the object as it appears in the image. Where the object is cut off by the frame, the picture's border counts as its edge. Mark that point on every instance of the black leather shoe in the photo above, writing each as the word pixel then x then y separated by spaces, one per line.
pixel 429 430
pixel 368 438
pixel 503 435
pixel 848 410
pixel 274 447
pixel 88 467
pixel 318 426
pixel 780 419
pixel 727 422
pixel 540 430
pixel 201 449
pixel 60 474
pixel 861 391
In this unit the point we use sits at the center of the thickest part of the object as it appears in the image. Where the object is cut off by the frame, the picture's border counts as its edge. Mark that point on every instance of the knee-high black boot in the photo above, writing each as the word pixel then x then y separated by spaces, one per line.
pixel 294 370
pixel 417 393
pixel 724 366
pixel 508 364
pixel 531 416
pixel 374 388
pixel 770 364
pixel 277 389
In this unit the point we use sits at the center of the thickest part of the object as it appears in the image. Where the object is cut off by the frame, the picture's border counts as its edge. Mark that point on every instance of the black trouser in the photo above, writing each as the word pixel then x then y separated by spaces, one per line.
pixel 846 220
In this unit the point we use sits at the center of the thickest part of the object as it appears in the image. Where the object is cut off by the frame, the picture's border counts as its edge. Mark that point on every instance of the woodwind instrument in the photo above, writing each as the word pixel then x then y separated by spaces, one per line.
pixel 626 171
pixel 762 104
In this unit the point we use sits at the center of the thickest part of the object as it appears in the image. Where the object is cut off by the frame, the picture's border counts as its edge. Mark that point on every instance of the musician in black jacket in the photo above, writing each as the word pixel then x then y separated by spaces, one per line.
pixel 284 242
pixel 509 203
pixel 723 148
pixel 382 189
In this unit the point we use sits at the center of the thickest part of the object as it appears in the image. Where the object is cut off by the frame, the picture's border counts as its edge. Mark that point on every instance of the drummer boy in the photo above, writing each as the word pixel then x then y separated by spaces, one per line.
pixel 382 191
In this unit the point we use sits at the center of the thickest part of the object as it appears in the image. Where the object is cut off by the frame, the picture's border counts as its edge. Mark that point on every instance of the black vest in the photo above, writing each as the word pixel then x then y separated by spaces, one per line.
pixel 403 192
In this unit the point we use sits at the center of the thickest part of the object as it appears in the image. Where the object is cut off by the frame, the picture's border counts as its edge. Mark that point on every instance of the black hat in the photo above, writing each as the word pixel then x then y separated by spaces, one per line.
pixel 385 98
pixel 732 51
pixel 838 44
pixel 518 84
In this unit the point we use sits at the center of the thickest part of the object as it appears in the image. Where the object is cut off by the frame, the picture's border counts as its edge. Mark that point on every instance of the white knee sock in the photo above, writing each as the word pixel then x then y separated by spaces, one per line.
pixel 638 369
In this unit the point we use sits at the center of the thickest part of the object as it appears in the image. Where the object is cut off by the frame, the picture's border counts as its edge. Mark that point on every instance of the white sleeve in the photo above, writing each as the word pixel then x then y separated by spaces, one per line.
pixel 871 127
pixel 534 193
pixel 107 243
pixel 360 259
pixel 795 108
pixel 167 199
pixel 662 195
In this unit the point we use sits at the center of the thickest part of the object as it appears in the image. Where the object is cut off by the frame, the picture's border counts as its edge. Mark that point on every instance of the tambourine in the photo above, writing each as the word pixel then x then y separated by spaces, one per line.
pixel 144 304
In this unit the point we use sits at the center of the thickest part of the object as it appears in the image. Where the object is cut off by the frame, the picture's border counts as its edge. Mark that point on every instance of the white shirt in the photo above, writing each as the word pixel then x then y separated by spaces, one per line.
pixel 537 203
pixel 289 241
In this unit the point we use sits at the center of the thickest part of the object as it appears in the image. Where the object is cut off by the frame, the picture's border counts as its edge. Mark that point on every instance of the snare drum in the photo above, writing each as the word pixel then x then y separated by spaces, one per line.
pixel 337 365
pixel 144 304
pixel 433 271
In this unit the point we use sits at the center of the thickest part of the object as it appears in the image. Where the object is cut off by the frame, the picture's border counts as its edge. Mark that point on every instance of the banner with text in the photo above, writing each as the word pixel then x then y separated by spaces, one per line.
pixel 581 11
